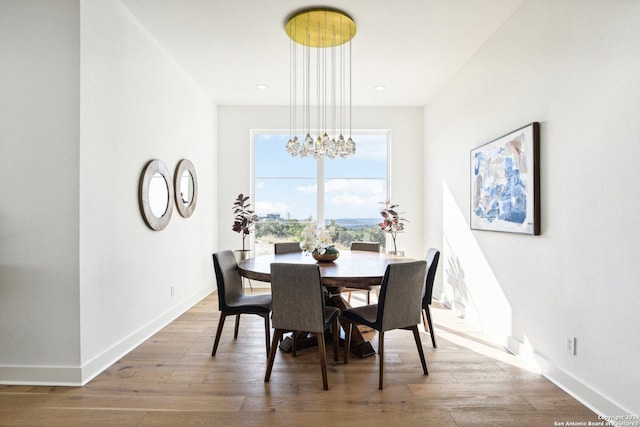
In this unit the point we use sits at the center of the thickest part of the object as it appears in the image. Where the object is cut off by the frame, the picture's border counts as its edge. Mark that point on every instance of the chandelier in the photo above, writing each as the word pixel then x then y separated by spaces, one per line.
pixel 327 31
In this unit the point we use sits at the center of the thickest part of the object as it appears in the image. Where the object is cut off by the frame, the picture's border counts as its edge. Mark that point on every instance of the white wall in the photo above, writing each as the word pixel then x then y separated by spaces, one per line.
pixel 573 66
pixel 137 104
pixel 39 170
pixel 406 134
pixel 91 98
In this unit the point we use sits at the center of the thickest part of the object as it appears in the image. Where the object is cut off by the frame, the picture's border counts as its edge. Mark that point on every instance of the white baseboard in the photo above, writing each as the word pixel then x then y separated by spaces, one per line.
pixel 41 375
pixel 589 397
pixel 78 376
pixel 592 399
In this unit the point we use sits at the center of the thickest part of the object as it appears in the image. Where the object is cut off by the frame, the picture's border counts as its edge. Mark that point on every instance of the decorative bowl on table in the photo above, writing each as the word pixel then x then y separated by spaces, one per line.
pixel 326 257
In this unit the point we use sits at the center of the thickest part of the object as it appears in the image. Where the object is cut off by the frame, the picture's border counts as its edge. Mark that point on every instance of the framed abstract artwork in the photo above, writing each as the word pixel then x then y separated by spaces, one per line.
pixel 505 183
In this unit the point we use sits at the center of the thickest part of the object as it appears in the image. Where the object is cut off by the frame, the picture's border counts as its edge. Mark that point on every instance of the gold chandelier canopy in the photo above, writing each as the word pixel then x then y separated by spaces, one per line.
pixel 326 31
pixel 321 28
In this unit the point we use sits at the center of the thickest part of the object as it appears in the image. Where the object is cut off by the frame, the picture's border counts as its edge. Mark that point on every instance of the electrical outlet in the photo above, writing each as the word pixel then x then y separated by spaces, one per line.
pixel 570 345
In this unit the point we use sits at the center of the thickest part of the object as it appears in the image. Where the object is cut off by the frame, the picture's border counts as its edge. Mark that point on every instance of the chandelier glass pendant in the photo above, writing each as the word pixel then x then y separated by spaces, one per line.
pixel 326 32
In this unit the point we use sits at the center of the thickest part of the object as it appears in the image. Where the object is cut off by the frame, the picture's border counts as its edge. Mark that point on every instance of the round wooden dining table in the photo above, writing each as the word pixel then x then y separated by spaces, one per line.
pixel 352 269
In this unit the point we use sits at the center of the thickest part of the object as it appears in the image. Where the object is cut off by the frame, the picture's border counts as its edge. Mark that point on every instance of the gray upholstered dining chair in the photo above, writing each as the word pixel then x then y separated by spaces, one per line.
pixel 432 257
pixel 286 247
pixel 233 301
pixel 298 305
pixel 369 247
pixel 365 246
pixel 398 307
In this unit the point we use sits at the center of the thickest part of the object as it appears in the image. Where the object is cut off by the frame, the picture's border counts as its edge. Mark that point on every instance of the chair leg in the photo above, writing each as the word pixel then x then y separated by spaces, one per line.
pixel 223 316
pixel 272 353
pixel 368 297
pixel 381 356
pixel 235 332
pixel 267 331
pixel 433 335
pixel 335 331
pixel 293 344
pixel 323 359
pixel 349 297
pixel 347 341
pixel 416 336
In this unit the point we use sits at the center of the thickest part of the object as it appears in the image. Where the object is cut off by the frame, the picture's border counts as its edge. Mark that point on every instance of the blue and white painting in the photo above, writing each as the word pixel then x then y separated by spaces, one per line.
pixel 502 183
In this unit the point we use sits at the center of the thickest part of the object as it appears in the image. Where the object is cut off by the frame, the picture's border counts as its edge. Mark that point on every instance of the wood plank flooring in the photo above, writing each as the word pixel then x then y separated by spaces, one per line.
pixel 171 379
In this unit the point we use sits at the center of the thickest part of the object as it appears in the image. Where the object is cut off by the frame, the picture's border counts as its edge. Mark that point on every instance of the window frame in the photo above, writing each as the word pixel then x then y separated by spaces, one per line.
pixel 320 168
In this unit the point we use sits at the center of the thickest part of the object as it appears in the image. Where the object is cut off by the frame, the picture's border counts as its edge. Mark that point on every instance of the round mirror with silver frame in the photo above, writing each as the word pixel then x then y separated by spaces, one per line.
pixel 156 195
pixel 186 188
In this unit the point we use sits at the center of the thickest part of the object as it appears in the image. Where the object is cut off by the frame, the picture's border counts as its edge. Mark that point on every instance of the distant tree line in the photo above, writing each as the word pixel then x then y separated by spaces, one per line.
pixel 290 230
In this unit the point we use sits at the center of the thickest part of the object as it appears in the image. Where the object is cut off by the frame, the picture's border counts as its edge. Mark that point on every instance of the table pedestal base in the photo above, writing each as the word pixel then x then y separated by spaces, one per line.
pixel 359 345
pixel 360 349
pixel 363 349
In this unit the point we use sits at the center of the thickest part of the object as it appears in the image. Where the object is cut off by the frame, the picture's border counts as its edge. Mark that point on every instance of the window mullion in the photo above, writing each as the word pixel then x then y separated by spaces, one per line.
pixel 320 195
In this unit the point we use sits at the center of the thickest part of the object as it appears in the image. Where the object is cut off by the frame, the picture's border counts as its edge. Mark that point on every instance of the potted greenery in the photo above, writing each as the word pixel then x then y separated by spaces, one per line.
pixel 243 222
pixel 392 223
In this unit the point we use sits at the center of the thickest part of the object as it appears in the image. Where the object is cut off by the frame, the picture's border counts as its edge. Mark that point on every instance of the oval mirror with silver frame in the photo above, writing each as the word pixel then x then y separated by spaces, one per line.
pixel 156 195
pixel 186 188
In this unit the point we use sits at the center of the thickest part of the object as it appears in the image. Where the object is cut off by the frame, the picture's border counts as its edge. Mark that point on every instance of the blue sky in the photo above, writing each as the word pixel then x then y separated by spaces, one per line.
pixel 287 185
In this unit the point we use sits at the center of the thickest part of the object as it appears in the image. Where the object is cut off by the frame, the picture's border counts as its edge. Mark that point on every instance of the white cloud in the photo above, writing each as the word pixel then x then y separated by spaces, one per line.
pixel 348 200
pixel 355 194
pixel 362 187
pixel 307 188
pixel 264 208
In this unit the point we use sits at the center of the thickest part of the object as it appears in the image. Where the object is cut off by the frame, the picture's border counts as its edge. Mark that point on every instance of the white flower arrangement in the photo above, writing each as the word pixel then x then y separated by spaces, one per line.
pixel 317 239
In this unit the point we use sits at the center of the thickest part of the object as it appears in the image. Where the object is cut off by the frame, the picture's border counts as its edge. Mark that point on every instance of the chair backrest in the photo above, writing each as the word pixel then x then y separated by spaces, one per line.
pixel 286 247
pixel 365 246
pixel 228 279
pixel 399 303
pixel 432 257
pixel 297 298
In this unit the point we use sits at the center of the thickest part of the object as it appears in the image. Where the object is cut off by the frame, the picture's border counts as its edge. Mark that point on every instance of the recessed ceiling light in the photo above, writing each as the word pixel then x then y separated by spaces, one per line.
pixel 261 86
pixel 379 88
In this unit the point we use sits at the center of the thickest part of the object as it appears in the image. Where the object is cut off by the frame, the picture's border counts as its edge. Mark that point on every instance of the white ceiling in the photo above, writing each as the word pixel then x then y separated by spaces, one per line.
pixel 412 47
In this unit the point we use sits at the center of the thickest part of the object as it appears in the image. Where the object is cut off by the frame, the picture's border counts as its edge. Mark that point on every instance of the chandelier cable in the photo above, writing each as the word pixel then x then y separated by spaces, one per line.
pixel 321 29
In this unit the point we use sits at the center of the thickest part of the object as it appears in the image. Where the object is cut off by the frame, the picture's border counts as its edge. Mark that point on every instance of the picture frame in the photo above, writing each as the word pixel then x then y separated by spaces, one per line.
pixel 505 183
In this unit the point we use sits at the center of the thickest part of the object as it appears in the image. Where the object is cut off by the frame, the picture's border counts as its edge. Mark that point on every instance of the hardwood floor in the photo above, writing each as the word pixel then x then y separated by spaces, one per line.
pixel 171 379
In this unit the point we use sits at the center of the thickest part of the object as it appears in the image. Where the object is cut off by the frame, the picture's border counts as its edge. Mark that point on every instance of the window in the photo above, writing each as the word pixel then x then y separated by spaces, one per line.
pixel 291 191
